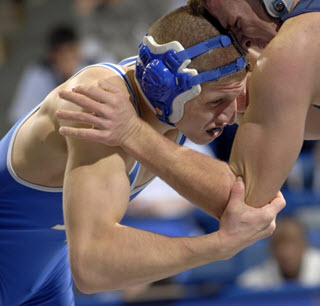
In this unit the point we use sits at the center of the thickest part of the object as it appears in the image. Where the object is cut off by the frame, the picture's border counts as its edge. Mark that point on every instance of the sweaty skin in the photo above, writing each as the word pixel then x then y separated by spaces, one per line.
pixel 283 89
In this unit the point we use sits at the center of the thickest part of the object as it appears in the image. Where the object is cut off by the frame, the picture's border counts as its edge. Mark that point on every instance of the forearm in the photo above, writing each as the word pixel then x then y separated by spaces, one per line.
pixel 126 256
pixel 201 179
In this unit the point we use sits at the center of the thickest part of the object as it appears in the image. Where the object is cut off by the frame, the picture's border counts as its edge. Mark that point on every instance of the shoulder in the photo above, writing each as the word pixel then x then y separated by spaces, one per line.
pixel 90 75
pixel 82 151
pixel 288 63
pixel 297 41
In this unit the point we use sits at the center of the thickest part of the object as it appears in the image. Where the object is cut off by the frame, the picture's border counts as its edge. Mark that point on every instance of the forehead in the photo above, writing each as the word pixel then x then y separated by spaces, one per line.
pixel 221 9
pixel 231 88
pixel 227 10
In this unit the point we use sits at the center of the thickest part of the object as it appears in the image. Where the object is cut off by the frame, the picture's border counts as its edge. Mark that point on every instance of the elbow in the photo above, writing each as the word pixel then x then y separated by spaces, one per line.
pixel 80 273
pixel 82 282
pixel 85 273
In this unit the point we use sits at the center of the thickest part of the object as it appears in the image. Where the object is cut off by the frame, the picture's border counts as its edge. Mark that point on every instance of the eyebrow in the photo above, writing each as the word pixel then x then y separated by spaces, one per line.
pixel 232 86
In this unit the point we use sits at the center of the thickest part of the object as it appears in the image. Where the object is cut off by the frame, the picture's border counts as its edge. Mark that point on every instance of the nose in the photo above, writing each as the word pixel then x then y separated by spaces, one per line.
pixel 228 114
pixel 245 43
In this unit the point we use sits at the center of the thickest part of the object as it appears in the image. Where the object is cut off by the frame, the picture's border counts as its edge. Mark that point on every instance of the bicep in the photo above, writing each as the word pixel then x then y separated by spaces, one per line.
pixel 269 139
pixel 95 193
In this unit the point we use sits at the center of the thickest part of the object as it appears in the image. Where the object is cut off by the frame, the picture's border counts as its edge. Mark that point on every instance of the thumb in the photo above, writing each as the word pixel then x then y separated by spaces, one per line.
pixel 237 191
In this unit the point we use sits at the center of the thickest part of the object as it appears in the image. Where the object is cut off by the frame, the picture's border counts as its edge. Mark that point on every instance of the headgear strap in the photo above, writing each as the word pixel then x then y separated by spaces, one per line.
pixel 166 82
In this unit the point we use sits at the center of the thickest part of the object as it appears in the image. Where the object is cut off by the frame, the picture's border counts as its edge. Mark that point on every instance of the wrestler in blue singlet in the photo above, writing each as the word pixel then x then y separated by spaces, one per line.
pixel 34 268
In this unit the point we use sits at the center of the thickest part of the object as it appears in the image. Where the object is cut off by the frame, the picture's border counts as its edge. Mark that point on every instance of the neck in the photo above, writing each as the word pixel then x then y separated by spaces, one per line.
pixel 145 111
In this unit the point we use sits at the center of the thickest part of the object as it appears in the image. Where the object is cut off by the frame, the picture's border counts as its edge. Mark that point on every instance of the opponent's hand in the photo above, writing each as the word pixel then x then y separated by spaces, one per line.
pixel 242 225
pixel 113 117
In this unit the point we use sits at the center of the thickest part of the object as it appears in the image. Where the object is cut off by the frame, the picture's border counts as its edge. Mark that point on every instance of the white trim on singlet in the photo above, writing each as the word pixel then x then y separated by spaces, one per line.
pixel 33 111
pixel 134 189
pixel 128 61
pixel 133 184
pixel 179 136
pixel 9 159
pixel 138 189
pixel 23 182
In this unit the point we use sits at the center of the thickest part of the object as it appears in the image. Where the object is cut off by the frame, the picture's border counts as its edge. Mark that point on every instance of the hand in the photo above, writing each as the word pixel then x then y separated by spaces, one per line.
pixel 112 116
pixel 242 225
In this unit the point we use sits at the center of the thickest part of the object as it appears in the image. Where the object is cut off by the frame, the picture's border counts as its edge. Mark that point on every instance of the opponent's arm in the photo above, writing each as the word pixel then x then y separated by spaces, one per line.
pixel 270 137
pixel 312 130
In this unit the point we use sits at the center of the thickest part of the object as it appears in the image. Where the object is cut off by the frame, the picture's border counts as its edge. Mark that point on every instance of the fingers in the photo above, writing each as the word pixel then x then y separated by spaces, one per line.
pixel 237 191
pixel 81 117
pixel 81 101
pixel 81 133
pixel 95 93
pixel 105 85
pixel 277 204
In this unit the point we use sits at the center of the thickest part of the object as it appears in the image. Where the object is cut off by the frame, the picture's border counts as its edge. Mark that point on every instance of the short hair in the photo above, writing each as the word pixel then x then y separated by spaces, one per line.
pixel 189 26
pixel 198 6
pixel 61 35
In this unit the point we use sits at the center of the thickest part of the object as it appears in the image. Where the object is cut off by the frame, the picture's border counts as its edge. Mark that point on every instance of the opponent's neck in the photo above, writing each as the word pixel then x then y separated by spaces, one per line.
pixel 294 4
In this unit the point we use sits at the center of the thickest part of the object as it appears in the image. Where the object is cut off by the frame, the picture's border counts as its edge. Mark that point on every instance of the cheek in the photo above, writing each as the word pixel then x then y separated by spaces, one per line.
pixel 191 124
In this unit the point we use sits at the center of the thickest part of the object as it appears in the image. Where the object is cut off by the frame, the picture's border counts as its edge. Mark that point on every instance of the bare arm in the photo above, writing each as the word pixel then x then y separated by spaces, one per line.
pixel 312 130
pixel 267 143
pixel 270 137
pixel 201 179
pixel 106 255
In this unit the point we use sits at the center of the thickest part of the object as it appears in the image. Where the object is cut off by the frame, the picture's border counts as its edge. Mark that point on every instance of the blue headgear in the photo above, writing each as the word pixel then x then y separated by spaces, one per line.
pixel 278 8
pixel 164 80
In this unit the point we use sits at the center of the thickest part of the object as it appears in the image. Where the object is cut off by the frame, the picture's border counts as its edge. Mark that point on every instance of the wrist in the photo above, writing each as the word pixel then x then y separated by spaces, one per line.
pixel 226 246
pixel 131 137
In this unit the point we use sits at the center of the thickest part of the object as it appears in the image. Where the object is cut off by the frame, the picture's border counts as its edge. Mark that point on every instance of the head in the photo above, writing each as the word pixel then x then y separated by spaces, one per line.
pixel 249 20
pixel 288 245
pixel 64 50
pixel 205 108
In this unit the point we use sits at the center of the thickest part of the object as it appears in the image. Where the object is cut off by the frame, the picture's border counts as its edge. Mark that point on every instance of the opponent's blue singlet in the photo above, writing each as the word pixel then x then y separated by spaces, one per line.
pixel 305 6
pixel 34 268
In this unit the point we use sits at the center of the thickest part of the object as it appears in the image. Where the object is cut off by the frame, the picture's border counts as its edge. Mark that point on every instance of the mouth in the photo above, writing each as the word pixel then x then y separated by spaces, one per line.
pixel 215 132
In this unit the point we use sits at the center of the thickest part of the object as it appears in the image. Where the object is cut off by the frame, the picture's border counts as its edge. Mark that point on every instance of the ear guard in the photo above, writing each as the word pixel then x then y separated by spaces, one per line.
pixel 164 79
pixel 278 8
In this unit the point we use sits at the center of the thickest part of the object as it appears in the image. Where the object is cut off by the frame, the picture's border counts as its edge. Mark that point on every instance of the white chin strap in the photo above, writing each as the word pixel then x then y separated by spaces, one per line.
pixel 278 8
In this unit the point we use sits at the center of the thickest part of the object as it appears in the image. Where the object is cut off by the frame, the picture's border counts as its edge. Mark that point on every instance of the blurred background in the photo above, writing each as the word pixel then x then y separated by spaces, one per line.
pixel 42 43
